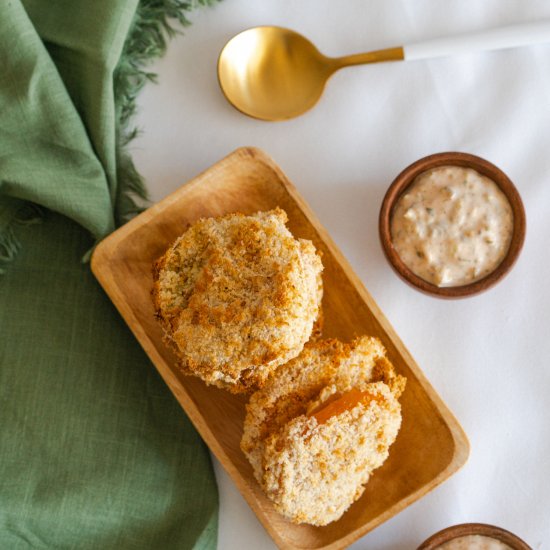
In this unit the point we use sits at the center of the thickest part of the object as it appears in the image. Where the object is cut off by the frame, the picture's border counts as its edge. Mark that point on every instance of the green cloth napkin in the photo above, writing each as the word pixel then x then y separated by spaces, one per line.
pixel 94 450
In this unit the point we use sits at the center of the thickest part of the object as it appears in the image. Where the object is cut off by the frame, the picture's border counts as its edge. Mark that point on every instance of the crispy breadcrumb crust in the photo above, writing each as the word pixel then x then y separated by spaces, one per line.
pixel 313 472
pixel 237 297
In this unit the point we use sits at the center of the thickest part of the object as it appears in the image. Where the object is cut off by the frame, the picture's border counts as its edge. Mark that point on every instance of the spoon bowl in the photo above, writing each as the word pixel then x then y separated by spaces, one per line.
pixel 273 73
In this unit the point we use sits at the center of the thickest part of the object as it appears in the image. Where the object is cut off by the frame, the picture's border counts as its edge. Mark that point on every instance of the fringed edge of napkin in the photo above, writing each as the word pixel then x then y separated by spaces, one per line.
pixel 147 41
pixel 22 213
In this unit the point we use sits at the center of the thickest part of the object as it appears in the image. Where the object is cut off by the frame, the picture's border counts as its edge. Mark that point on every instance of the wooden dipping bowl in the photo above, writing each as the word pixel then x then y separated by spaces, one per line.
pixel 485 168
pixel 465 529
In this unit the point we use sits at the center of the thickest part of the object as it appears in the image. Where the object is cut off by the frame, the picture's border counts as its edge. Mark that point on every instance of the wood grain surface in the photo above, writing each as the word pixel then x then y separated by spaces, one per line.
pixel 431 445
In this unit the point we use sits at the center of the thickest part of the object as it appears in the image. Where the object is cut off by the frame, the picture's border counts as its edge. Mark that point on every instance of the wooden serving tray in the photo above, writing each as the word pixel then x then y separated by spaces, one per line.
pixel 431 445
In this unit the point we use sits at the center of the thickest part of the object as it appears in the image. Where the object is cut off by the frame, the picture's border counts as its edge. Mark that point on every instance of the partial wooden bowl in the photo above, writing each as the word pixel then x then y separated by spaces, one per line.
pixel 430 446
pixel 407 177
pixel 465 529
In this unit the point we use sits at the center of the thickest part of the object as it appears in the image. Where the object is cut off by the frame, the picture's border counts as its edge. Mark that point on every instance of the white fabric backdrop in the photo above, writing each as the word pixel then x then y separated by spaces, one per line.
pixel 486 355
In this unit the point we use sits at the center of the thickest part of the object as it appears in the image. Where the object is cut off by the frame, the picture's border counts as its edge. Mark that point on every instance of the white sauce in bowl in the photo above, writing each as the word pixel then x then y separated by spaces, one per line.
pixel 474 542
pixel 452 226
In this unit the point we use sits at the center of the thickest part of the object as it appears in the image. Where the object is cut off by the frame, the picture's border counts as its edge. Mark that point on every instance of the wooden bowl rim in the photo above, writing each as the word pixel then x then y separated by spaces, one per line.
pixel 464 529
pixel 484 167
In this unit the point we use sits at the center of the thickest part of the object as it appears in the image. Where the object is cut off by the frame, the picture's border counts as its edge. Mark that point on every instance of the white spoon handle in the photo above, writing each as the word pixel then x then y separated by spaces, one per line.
pixel 524 34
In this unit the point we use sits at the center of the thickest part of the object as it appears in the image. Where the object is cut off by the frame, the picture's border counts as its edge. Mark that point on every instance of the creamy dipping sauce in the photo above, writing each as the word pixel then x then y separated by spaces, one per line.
pixel 474 542
pixel 452 226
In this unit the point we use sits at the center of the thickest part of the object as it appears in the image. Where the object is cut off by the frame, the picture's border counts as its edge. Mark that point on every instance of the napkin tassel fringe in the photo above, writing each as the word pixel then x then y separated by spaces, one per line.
pixel 146 41
pixel 28 214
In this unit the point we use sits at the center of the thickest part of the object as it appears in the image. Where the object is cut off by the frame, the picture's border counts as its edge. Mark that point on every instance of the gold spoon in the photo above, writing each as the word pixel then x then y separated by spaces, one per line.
pixel 272 73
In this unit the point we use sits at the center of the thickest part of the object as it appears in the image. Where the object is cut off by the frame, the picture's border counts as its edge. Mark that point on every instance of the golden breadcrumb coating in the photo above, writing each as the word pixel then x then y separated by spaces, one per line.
pixel 238 296
pixel 321 425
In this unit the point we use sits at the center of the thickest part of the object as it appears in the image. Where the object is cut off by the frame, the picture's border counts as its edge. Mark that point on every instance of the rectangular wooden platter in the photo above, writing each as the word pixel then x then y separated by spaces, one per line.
pixel 431 445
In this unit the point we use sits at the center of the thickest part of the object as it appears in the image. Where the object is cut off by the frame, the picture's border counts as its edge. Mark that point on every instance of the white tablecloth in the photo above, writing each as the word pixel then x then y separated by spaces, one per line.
pixel 488 356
